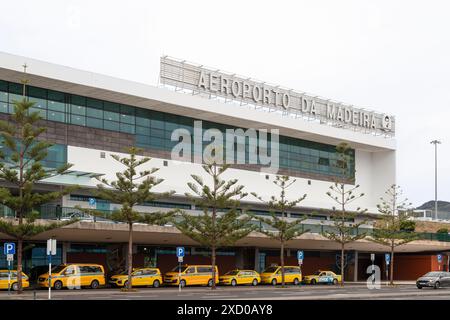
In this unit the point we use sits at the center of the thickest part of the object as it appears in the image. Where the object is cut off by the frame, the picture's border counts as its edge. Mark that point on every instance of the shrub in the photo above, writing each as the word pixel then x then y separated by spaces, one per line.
pixel 408 225
pixel 442 230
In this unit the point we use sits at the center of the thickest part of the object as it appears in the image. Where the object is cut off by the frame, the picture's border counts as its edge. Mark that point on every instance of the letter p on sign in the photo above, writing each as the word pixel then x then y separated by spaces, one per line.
pixel 9 248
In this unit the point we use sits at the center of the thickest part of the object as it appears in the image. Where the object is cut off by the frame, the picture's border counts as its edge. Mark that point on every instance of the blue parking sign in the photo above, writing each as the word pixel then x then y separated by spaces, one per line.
pixel 439 258
pixel 299 255
pixel 92 201
pixel 9 248
pixel 387 257
pixel 180 252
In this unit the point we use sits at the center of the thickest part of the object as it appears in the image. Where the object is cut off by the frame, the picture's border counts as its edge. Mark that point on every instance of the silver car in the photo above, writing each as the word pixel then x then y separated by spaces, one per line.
pixel 434 279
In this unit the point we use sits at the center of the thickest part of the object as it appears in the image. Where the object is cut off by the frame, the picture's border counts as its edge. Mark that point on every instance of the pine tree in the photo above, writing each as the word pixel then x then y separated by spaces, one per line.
pixel 131 188
pixel 221 224
pixel 21 166
pixel 389 230
pixel 344 195
pixel 284 230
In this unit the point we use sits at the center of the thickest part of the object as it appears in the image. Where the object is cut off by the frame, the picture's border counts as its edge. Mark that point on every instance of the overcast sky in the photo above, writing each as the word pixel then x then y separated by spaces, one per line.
pixel 390 56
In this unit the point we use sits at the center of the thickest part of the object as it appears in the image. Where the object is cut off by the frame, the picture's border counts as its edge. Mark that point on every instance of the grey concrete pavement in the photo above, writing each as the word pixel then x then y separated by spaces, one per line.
pixel 321 292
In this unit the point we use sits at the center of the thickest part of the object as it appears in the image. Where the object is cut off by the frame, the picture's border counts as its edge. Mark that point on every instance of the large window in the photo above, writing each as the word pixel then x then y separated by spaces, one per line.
pixel 153 129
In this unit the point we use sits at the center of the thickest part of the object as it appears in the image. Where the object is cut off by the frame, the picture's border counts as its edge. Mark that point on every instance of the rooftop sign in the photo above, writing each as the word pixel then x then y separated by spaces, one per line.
pixel 215 84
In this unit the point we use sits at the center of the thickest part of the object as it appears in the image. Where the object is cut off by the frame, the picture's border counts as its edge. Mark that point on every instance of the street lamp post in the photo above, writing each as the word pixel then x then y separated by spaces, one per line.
pixel 435 142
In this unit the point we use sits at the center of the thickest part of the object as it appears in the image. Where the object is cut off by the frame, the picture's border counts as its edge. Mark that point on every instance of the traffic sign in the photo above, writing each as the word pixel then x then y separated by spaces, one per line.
pixel 387 257
pixel 51 247
pixel 439 258
pixel 300 255
pixel 9 257
pixel 180 252
pixel 92 201
pixel 9 248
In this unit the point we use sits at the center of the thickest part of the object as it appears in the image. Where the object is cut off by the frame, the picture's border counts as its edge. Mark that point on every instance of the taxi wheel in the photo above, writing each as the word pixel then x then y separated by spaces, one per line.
pixel 313 281
pixel 437 285
pixel 255 282
pixel 210 283
pixel 156 284
pixel 274 282
pixel 296 282
pixel 183 283
pixel 57 285
pixel 233 282
pixel 15 286
pixel 335 282
pixel 95 284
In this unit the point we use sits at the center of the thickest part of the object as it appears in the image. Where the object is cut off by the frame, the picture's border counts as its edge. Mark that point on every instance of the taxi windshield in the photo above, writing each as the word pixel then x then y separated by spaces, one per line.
pixel 317 273
pixel 271 270
pixel 58 269
pixel 232 273
pixel 179 269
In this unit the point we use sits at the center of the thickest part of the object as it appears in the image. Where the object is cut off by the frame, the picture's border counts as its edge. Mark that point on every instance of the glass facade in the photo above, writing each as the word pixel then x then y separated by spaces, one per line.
pixel 153 129
pixel 56 155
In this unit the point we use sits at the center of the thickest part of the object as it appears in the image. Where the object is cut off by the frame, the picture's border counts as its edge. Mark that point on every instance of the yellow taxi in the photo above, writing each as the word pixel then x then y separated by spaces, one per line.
pixel 74 276
pixel 328 277
pixel 13 285
pixel 272 275
pixel 139 277
pixel 235 277
pixel 191 275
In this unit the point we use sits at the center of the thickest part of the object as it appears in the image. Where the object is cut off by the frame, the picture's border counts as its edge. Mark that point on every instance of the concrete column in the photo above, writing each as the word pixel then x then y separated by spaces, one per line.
pixel 65 248
pixel 355 273
pixel 257 260
pixel 240 258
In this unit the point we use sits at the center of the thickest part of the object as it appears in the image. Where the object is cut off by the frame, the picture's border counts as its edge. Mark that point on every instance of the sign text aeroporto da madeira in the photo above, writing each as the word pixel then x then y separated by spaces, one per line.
pixel 236 88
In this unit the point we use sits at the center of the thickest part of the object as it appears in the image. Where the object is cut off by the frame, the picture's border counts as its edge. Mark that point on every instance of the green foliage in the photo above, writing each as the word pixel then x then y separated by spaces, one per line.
pixel 442 230
pixel 344 233
pixel 344 195
pixel 21 167
pixel 284 230
pixel 221 223
pixel 408 225
pixel 394 229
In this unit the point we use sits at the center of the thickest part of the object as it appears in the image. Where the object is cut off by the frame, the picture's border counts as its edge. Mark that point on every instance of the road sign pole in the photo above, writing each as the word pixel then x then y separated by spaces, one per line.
pixel 9 277
pixel 179 275
pixel 49 277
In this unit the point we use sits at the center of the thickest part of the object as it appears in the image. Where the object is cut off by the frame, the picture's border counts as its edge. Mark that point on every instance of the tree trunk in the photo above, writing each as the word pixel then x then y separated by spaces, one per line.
pixel 130 255
pixel 282 264
pixel 19 265
pixel 213 263
pixel 392 267
pixel 342 263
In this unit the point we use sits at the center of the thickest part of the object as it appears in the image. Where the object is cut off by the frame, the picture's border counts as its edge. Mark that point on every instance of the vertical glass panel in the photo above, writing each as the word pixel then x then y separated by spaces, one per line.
pixel 111 125
pixel 42 113
pixel 3 107
pixel 78 120
pixel 143 118
pixel 143 131
pixel 128 128
pixel 94 108
pixel 56 116
pixel 94 122
pixel 37 93
pixel 78 110
pixel 111 111
pixel 39 103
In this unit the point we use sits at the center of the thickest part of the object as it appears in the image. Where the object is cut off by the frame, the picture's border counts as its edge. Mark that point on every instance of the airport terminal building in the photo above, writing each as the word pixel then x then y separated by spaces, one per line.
pixel 89 116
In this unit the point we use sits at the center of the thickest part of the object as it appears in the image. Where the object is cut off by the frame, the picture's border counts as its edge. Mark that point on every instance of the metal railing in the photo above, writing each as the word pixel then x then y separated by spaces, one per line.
pixel 51 212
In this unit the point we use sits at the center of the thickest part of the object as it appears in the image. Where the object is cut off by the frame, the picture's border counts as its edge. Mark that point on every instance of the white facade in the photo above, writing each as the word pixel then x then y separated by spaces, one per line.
pixel 374 158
